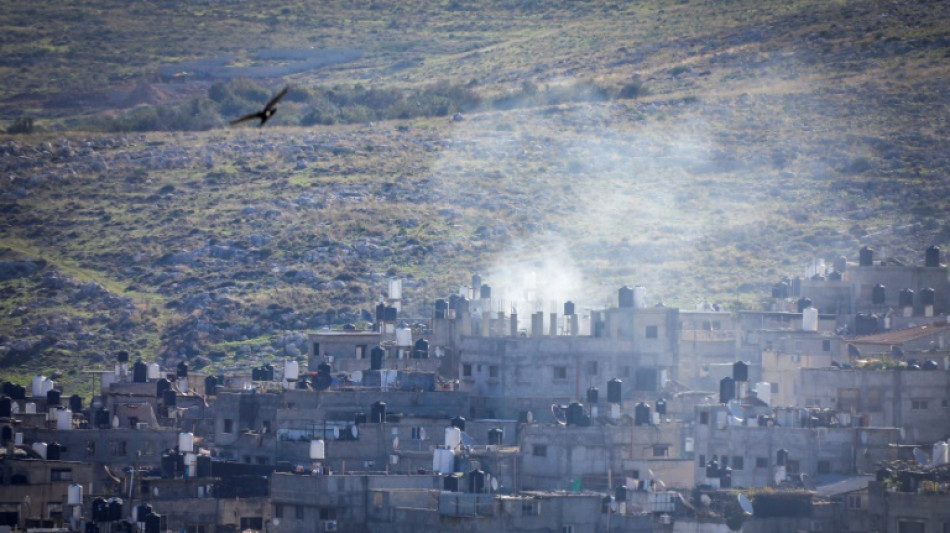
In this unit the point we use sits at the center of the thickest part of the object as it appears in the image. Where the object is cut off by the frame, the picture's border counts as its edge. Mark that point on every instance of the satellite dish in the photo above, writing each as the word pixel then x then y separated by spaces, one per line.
pixel 395 443
pixel 613 505
pixel 494 484
pixel 921 457
pixel 807 482
pixel 705 500
pixel 115 421
pixel 745 504
pixel 336 433
pixel 355 431
pixel 357 376
pixel 275 521
pixel 529 417
pixel 736 410
pixel 558 413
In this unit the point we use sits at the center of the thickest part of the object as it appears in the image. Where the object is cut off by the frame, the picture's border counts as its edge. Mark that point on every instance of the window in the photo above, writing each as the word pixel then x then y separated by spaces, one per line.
pixel 591 368
pixel 560 372
pixel 361 351
pixel 493 371
pixel 265 426
pixel 298 512
pixel 704 417
pixel 60 474
pixel 327 513
pixel 90 447
pixel 278 510
pixel 724 461
pixel 826 345
pixel 761 462
pixel 418 433
pixel 530 508
pixel 261 459
pixel 854 502
pixel 773 387
pixel 117 447
pixel 228 425
pixel 738 462
pixel 918 405
pixel 466 370
pixel 849 399
pixel 824 467
pixel 652 332
pixel 661 450
pixel 539 450
pixel 910 526
pixel 702 461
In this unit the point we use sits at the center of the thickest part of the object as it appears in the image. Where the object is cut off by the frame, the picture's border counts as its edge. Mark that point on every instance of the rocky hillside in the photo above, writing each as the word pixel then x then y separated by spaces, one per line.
pixel 701 149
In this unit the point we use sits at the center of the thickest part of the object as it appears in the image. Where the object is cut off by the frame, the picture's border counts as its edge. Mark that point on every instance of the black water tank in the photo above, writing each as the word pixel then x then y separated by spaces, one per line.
pixel 6 407
pixel 6 434
pixel 377 412
pixel 593 395
pixel 727 390
pixel 451 483
pixel 139 372
pixel 458 422
pixel 161 386
pixel 391 314
pixel 54 451
pixel 100 510
pixel 153 523
pixel 905 298
pixel 211 386
pixel 169 464
pixel 568 308
pixel 380 312
pixel 454 301
pixel 269 372
pixel 6 388
pixel 463 307
pixel 182 370
pixel 476 481
pixel 359 418
pixel 376 356
pixel 930 364
pixel 169 398
pixel 204 466
pixel 625 297
pixel 122 356
pixel 476 282
pixel 575 414
pixel 620 493
pixel 52 397
pixel 928 296
pixel 421 349
pixel 441 308
pixel 781 457
pixel 641 414
pixel 115 509
pixel 740 371
pixel 725 477
pixel 878 294
pixel 324 368
pixel 102 419
pixel 18 392
pixel 803 303
pixel 780 290
pixel 932 257
pixel 614 390
pixel 495 436
pixel 834 276
pixel 661 407
pixel 485 292
pixel 866 257
pixel 141 511
pixel 75 403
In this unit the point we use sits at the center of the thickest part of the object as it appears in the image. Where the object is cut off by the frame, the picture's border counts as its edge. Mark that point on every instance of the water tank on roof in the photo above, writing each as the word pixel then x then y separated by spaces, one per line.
pixel 625 297
pixel 810 319
pixel 54 451
pixel 458 422
pixel 866 257
pixel 122 356
pixel 840 264
pixel 6 434
pixel 781 457
pixel 376 356
pixel 186 442
pixel 75 403
pixel 390 314
pixel 712 468
pixel 18 392
pixel 453 437
pixel 476 281
pixel 377 412
pixel 204 466
pixel 139 372
pixel 780 290
pixel 740 371
pixel 941 453
pixel 928 296
pixel 614 390
pixel 476 481
pixel 568 308
pixel 421 349
pixel 291 370
pixel 932 257
pixel 380 312
pixel 495 436
pixel 182 370
pixel 153 523
pixel 485 292
pixel 359 418
pixel 115 509
pixel 153 371
pixel 6 407
pixel 641 414
pixel 53 397
pixel 575 414
pixel 834 276
pixel 441 308
pixel 640 297
pixel 905 298
pixel 878 294
pixel 169 398
pixel 211 386
pixel 593 395
pixel 727 390
pixel 169 464
pixel 40 448
pixel 141 511
pixel 403 337
pixel 64 419
pixel 317 450
pixel 449 483
pixel 661 406
pixel 41 385
pixel 74 494
pixel 161 386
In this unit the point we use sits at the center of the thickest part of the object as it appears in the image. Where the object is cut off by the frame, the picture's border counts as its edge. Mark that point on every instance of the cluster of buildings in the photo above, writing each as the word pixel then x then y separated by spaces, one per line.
pixel 829 411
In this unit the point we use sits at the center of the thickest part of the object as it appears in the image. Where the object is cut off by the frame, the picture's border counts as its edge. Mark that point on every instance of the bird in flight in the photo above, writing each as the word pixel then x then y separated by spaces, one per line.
pixel 265 113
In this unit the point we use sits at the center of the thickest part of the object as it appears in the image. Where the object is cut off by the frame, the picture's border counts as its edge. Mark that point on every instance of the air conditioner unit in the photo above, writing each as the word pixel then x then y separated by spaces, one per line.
pixel 141 425
pixel 330 525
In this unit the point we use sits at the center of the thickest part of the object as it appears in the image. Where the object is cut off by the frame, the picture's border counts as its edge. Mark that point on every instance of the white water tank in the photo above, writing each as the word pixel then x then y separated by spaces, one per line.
pixel 810 319
pixel 291 370
pixel 453 437
pixel 153 371
pixel 395 289
pixel 29 408
pixel 186 442
pixel 74 494
pixel 191 464
pixel 403 337
pixel 941 453
pixel 64 420
pixel 18 439
pixel 640 297
pixel 443 461
pixel 763 391
pixel 318 451
pixel 41 385
pixel 40 448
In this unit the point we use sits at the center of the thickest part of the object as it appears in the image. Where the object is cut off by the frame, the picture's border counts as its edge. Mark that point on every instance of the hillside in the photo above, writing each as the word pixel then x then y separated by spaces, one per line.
pixel 701 149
